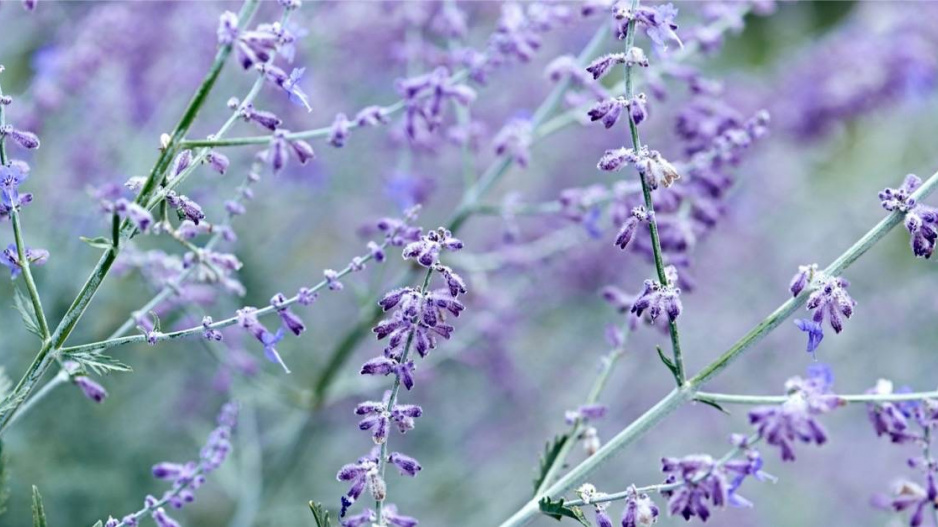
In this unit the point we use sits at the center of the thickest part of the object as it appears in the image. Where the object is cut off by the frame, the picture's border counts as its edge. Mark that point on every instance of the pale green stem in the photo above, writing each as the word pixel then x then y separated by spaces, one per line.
pixel 677 397
pixel 726 398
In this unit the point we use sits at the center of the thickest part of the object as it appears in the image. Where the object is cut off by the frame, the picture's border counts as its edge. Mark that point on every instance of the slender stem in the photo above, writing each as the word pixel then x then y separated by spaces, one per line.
pixel 662 487
pixel 650 205
pixel 20 244
pixel 197 330
pixel 49 351
pixel 676 398
pixel 608 365
pixel 392 400
pixel 779 399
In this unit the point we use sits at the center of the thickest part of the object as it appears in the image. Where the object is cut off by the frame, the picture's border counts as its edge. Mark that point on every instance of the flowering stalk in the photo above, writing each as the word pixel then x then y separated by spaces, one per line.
pixel 678 359
pixel 681 395
pixel 24 262
pixel 52 346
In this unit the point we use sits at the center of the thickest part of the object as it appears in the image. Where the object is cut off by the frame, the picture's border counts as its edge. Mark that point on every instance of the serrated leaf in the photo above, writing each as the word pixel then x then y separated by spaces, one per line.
pixel 39 515
pixel 551 451
pixel 98 242
pixel 22 304
pixel 98 362
pixel 4 480
pixel 558 511
pixel 320 514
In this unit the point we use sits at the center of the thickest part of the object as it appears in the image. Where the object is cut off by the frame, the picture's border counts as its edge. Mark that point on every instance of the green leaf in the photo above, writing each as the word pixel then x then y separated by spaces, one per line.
pixel 98 524
pixel 551 452
pixel 39 515
pixel 714 405
pixel 558 511
pixel 98 362
pixel 98 242
pixel 4 480
pixel 320 514
pixel 23 304
pixel 667 362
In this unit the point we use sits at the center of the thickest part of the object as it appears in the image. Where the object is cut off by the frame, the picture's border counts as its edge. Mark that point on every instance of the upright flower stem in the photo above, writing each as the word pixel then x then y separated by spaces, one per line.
pixel 650 205
pixel 382 459
pixel 20 244
pixel 52 345
pixel 677 397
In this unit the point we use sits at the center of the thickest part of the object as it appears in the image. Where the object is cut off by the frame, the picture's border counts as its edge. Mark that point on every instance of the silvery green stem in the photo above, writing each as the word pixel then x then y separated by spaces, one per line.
pixel 383 457
pixel 662 487
pixel 608 365
pixel 677 397
pixel 726 398
pixel 649 203
pixel 197 330
pixel 49 351
pixel 20 244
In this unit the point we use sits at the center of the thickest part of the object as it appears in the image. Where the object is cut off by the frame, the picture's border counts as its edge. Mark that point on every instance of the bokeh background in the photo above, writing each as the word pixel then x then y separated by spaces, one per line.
pixel 850 86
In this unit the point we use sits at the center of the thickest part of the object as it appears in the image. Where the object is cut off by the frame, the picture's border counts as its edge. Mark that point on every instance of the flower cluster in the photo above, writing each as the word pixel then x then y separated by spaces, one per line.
pixel 659 298
pixel 419 318
pixel 796 419
pixel 908 422
pixel 920 220
pixel 187 477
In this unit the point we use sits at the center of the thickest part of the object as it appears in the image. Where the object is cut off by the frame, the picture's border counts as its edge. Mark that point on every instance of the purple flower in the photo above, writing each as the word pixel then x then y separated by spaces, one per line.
pixel 266 119
pixel 795 419
pixel 227 28
pixel 700 484
pixel 638 215
pixel 802 278
pixel 339 131
pixel 185 207
pixel 290 320
pixel 91 389
pixel 247 319
pixel 207 331
pixel 514 139
pixel 831 300
pixel 219 162
pixel 586 412
pixel 426 251
pixel 740 469
pixel 139 216
pixel 11 260
pixel 362 474
pixel 378 418
pixel 639 511
pixel 658 298
pixel 911 496
pixel 292 86
pixel 657 21
pixel 332 280
pixel 815 334
pixel 901 199
pixel 11 177
pixel 306 296
pixel 27 140
pixel 891 418
pixel 406 464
